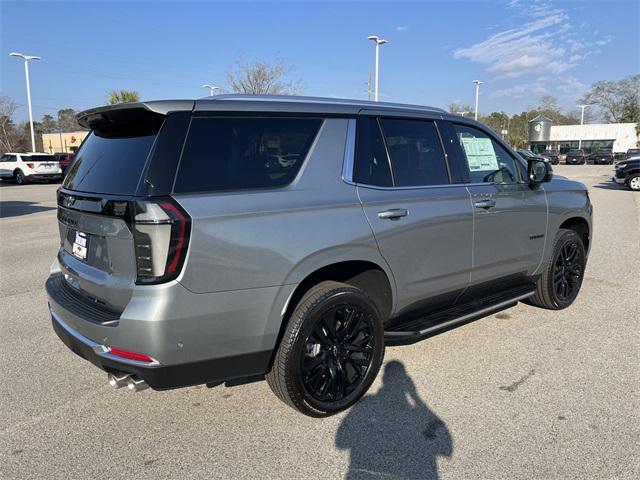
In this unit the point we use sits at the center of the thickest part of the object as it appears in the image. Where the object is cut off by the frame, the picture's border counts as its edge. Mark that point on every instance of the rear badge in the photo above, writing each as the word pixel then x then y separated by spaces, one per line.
pixel 80 245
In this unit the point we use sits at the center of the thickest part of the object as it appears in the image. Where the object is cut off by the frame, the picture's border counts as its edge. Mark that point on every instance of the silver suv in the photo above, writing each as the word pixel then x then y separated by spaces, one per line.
pixel 235 238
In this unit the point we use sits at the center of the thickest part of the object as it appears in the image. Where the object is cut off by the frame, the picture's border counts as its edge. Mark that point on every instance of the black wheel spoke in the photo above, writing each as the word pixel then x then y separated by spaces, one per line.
pixel 338 353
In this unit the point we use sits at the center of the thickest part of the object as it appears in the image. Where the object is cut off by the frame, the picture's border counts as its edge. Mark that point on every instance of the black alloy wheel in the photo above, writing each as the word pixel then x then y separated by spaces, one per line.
pixel 338 353
pixel 567 272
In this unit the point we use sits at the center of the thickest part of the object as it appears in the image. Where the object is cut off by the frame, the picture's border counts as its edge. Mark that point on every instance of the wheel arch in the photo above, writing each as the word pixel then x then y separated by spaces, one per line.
pixel 581 227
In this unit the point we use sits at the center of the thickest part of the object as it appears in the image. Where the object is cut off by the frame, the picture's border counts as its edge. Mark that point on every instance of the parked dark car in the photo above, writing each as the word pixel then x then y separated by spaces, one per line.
pixel 632 152
pixel 529 155
pixel 628 173
pixel 601 157
pixel 618 156
pixel 552 155
pixel 65 159
pixel 576 157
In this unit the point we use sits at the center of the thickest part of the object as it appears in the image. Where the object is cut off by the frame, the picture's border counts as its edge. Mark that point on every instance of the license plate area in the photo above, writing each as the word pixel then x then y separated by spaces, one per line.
pixel 80 245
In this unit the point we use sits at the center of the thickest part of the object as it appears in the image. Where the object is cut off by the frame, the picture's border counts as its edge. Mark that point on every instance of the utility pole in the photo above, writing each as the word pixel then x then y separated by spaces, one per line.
pixel 582 108
pixel 477 83
pixel 26 59
pixel 369 87
pixel 211 88
pixel 378 41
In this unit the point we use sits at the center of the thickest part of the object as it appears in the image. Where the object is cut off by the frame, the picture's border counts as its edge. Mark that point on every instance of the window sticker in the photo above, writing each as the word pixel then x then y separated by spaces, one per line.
pixel 480 154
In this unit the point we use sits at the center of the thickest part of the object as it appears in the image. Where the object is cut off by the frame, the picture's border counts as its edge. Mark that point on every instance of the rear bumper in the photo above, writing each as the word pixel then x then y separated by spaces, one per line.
pixel 618 180
pixel 161 377
pixel 44 176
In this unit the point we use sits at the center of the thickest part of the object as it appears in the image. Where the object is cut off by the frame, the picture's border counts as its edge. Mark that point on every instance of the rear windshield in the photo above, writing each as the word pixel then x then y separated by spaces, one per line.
pixel 235 153
pixel 38 158
pixel 112 161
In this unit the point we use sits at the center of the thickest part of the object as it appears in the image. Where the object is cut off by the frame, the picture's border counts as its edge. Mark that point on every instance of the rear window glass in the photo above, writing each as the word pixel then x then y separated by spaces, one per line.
pixel 235 153
pixel 38 158
pixel 112 161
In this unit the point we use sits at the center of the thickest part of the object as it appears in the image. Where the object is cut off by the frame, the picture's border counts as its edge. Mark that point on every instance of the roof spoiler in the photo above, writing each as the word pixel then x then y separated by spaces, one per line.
pixel 101 117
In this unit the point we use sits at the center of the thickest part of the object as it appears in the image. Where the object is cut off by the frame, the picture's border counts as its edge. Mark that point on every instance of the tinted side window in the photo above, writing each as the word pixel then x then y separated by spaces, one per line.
pixel 372 164
pixel 487 160
pixel 232 153
pixel 416 154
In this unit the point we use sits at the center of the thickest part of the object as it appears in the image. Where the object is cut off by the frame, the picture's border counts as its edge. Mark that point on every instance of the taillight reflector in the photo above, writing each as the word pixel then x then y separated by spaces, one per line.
pixel 30 165
pixel 138 357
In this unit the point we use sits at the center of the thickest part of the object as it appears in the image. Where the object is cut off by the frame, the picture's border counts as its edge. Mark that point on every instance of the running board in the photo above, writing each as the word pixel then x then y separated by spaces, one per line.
pixel 414 330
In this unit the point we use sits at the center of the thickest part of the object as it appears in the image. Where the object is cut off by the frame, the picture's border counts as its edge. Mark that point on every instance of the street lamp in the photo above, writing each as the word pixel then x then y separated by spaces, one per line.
pixel 462 114
pixel 582 108
pixel 477 83
pixel 26 59
pixel 211 88
pixel 378 42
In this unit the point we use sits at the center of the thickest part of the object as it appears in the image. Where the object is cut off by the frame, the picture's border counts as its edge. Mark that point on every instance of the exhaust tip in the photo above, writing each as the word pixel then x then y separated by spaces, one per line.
pixel 136 384
pixel 118 380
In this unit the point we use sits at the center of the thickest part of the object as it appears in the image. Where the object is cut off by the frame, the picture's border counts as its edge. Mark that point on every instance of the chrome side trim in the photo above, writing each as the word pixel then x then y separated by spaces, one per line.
pixel 349 152
pixel 99 349
pixel 482 311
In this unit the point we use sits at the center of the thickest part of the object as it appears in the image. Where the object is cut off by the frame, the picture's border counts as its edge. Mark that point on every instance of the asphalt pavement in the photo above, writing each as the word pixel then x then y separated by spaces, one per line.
pixel 526 393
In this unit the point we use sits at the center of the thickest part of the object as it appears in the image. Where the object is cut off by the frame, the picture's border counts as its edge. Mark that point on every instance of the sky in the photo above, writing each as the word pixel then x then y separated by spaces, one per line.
pixel 521 49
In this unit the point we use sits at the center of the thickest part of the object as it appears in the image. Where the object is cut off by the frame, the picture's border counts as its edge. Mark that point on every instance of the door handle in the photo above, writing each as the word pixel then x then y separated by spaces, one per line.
pixel 393 214
pixel 486 204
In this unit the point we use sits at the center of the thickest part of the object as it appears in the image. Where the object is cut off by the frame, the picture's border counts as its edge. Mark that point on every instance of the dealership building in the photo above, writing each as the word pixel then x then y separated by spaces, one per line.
pixel 618 137
pixel 67 142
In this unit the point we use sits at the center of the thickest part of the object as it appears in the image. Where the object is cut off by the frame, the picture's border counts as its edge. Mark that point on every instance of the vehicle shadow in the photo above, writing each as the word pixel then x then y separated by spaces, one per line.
pixel 611 186
pixel 18 209
pixel 393 434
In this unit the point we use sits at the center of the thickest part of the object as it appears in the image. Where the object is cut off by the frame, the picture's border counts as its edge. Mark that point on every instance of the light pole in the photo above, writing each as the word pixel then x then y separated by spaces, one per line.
pixel 462 114
pixel 378 42
pixel 477 83
pixel 26 59
pixel 582 108
pixel 211 88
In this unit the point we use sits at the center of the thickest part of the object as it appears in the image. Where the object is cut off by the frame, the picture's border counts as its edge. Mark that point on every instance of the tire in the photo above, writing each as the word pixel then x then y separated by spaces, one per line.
pixel 19 177
pixel 565 269
pixel 633 182
pixel 314 371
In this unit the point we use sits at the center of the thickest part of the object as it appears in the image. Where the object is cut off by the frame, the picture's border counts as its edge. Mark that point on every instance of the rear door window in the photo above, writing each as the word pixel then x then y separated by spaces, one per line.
pixel 416 153
pixel 237 153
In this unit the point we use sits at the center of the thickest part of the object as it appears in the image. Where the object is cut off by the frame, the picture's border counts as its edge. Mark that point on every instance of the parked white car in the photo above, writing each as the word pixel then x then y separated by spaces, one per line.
pixel 27 167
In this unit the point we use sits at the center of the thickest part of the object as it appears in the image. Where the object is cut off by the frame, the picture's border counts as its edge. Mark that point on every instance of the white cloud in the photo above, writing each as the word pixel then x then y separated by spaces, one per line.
pixel 518 92
pixel 542 41
pixel 402 28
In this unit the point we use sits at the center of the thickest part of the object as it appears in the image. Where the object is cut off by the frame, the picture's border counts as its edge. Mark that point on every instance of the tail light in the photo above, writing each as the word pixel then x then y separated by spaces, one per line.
pixel 161 232
pixel 30 165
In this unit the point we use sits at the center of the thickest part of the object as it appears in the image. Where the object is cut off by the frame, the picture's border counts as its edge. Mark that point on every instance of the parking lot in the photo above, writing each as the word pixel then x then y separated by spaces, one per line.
pixel 521 394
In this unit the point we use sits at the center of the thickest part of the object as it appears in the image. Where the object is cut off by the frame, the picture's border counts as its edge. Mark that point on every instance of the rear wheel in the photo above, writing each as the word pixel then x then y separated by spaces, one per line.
pixel 560 282
pixel 19 177
pixel 634 182
pixel 331 351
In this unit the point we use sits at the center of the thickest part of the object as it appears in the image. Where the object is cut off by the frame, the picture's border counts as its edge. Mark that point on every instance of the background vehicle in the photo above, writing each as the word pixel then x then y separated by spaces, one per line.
pixel 29 167
pixel 601 157
pixel 632 152
pixel 65 160
pixel 292 237
pixel 617 156
pixel 575 157
pixel 529 155
pixel 552 155
pixel 628 173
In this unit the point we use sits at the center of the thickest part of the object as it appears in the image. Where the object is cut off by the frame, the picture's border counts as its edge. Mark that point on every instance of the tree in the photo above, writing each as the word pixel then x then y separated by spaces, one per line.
pixel 8 133
pixel 49 124
pixel 122 96
pixel 457 108
pixel 67 120
pixel 618 101
pixel 262 77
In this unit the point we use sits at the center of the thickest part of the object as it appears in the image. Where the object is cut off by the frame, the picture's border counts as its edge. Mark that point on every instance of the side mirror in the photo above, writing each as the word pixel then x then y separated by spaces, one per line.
pixel 539 171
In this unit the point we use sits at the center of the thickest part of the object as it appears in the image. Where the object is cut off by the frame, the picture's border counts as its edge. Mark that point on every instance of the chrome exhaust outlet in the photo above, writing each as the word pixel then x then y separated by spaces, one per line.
pixel 136 384
pixel 118 380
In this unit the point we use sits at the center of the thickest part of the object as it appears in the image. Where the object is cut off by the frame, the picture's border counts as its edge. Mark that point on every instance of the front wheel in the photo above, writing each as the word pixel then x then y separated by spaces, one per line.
pixel 331 350
pixel 561 279
pixel 634 182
